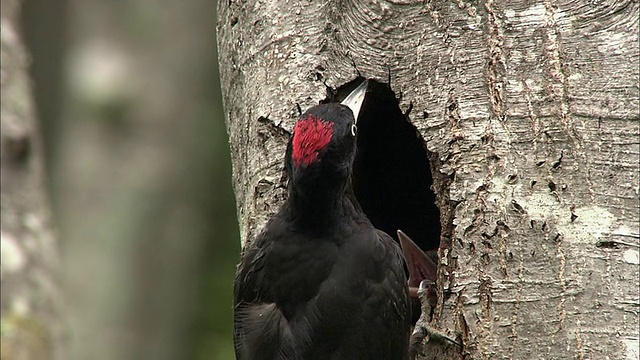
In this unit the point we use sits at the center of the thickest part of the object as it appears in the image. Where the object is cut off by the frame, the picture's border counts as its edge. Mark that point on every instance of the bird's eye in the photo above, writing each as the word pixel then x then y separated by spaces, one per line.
pixel 354 129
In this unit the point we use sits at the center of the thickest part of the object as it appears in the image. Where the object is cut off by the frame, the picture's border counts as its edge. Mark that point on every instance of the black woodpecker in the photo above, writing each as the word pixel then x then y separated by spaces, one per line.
pixel 319 281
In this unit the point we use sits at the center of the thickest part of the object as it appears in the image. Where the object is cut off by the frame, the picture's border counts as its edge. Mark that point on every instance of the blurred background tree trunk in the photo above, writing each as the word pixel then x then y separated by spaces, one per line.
pixel 530 110
pixel 33 324
pixel 140 174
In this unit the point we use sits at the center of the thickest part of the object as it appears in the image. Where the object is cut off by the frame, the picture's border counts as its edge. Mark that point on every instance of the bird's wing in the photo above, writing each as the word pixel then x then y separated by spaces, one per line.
pixel 396 286
pixel 390 299
pixel 250 272
pixel 396 268
pixel 362 310
pixel 257 321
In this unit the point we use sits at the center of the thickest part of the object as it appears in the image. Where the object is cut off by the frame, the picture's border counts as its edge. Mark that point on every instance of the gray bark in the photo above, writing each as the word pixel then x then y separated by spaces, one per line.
pixel 31 298
pixel 531 110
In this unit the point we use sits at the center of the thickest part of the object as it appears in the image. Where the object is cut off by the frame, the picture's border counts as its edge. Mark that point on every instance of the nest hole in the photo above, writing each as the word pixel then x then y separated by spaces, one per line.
pixel 392 177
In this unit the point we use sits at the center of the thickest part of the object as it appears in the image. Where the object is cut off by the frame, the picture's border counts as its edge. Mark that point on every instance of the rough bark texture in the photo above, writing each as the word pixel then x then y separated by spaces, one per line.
pixel 31 320
pixel 530 109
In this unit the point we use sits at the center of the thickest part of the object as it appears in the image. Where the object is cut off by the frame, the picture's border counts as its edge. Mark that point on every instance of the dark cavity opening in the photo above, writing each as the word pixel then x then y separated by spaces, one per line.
pixel 392 174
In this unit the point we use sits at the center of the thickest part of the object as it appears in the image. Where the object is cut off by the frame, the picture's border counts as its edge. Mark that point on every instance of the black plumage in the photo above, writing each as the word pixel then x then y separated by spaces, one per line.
pixel 320 282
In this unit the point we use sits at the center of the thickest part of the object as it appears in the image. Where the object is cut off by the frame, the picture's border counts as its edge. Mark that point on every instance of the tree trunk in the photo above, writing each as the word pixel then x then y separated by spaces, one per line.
pixel 31 298
pixel 530 113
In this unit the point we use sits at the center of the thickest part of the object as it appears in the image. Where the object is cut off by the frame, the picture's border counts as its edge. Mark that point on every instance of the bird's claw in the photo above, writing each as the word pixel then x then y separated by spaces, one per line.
pixel 426 285
pixel 422 332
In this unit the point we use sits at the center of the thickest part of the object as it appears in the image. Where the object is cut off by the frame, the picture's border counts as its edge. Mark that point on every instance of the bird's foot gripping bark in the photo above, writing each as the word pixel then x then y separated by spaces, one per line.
pixel 423 334
pixel 423 273
pixel 426 333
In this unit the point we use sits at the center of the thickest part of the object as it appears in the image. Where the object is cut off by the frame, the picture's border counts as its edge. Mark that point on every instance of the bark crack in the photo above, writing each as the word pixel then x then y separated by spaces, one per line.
pixel 559 89
pixel 516 305
pixel 497 66
pixel 562 267
pixel 579 347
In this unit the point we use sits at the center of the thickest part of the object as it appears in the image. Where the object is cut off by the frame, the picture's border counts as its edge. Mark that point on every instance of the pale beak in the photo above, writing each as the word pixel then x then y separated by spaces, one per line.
pixel 354 100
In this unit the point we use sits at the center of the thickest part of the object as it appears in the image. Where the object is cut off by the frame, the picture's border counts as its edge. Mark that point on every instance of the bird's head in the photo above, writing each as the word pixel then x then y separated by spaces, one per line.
pixel 324 140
